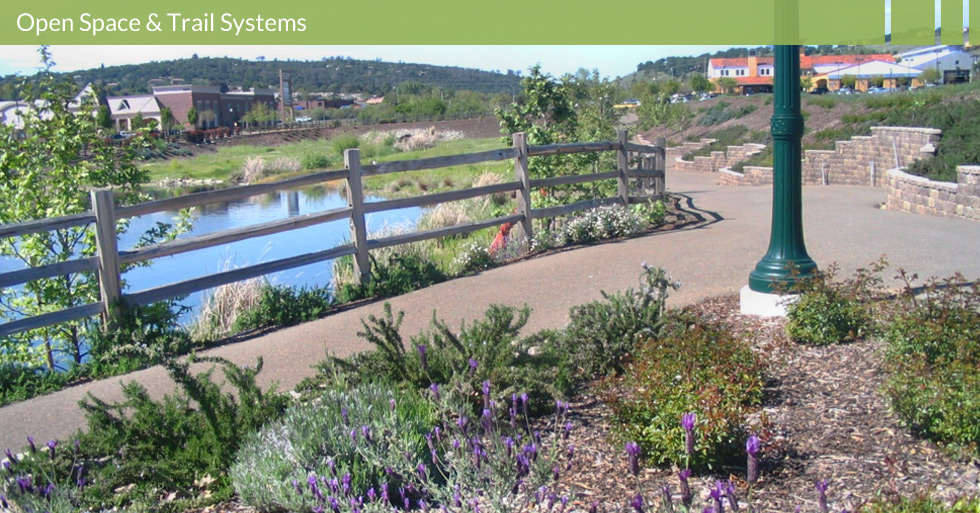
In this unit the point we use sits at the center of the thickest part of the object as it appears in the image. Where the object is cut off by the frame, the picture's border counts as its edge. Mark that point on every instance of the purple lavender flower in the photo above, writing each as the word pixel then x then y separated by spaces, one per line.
pixel 567 431
pixel 486 420
pixel 822 495
pixel 633 453
pixel 391 404
pixel 299 491
pixel 486 389
pixel 51 445
pixel 423 359
pixel 6 466
pixel 517 486
pixel 435 391
pixel 687 422
pixel 384 493
pixel 473 365
pixel 30 440
pixel 752 449
pixel 10 455
pixel 438 432
pixel 716 494
pixel 371 494
pixel 524 402
pixel 461 423
pixel 334 505
pixel 637 503
pixel 343 416
pixel 3 502
pixel 366 431
pixel 594 507
pixel 555 473
pixel 421 470
pixel 687 498
pixel 457 499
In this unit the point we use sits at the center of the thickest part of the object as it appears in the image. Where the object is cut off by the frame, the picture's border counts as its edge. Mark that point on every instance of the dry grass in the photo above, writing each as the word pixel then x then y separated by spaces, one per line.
pixel 490 178
pixel 222 307
pixel 255 168
pixel 420 139
pixel 446 214
pixel 343 268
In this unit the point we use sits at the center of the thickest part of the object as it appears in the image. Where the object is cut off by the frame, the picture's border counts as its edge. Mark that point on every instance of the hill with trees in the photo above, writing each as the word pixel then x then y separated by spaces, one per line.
pixel 333 74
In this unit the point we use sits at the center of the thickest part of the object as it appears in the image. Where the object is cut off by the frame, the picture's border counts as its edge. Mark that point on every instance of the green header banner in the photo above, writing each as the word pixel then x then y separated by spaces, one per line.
pixel 189 22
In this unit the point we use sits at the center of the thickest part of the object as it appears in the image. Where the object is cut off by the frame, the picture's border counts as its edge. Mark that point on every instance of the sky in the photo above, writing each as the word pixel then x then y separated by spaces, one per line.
pixel 611 61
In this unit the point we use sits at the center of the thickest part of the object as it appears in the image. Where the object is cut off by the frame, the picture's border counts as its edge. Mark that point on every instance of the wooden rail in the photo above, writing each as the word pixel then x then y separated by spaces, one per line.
pixel 639 168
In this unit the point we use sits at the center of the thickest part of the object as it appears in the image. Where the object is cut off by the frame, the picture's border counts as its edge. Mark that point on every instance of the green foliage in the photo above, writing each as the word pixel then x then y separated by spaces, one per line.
pixel 829 312
pixel 346 141
pixel 41 175
pixel 489 349
pixel 733 135
pixel 167 120
pixel 654 212
pixel 657 110
pixel 19 381
pixel 701 84
pixel 281 306
pixel 728 85
pixel 393 276
pixel 103 118
pixel 877 81
pixel 848 81
pixel 142 336
pixel 600 337
pixel 720 112
pixel 922 505
pixel 827 102
pixel 315 439
pixel 314 160
pixel 693 367
pixel 763 158
pixel 258 114
pixel 929 76
pixel 193 116
pixel 933 359
pixel 141 450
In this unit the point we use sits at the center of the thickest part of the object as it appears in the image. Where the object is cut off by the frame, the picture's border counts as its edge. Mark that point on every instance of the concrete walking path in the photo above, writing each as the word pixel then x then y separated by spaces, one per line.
pixel 842 224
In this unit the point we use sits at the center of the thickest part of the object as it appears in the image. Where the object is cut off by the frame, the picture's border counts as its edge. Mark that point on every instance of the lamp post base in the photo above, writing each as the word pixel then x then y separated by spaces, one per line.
pixel 764 304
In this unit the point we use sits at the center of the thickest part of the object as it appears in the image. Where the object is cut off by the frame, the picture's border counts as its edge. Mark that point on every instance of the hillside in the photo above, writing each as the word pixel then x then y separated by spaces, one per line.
pixel 334 74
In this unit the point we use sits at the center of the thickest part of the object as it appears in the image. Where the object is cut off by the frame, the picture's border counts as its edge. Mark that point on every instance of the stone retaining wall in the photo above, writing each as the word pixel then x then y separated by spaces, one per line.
pixel 750 175
pixel 863 160
pixel 675 152
pixel 920 195
pixel 719 159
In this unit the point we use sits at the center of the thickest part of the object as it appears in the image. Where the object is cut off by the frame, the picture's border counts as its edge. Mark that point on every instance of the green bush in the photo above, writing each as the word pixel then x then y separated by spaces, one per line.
pixel 314 160
pixel 489 349
pixel 600 337
pixel 281 306
pixel 142 450
pixel 345 142
pixel 829 312
pixel 922 505
pixel 399 274
pixel 934 364
pixel 473 258
pixel 826 102
pixel 729 136
pixel 695 367
pixel 315 439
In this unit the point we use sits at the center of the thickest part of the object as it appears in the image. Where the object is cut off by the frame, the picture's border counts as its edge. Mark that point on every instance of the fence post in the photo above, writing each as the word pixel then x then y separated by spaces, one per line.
pixel 624 162
pixel 355 200
pixel 107 251
pixel 660 182
pixel 521 175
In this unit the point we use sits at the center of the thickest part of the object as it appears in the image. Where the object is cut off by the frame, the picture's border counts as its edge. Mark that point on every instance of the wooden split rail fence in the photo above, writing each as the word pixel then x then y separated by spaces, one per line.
pixel 648 170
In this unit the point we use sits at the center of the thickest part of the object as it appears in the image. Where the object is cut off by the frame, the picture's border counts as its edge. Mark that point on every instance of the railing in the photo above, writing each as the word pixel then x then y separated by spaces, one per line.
pixel 104 214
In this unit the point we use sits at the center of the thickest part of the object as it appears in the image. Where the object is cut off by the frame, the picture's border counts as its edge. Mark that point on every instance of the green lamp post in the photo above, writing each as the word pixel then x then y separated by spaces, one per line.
pixel 786 261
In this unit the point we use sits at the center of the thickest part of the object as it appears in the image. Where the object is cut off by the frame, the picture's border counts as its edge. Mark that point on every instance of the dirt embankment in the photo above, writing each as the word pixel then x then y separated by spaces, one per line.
pixel 470 128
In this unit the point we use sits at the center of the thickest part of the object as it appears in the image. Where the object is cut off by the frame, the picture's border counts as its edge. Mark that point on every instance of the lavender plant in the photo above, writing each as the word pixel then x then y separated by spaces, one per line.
pixel 45 479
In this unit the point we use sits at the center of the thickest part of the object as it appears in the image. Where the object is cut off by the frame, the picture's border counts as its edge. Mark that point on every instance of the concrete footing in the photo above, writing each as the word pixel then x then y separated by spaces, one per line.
pixel 763 304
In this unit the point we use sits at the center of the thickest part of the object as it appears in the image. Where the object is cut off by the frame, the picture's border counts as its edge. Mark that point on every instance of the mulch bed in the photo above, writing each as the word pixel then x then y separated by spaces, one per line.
pixel 823 418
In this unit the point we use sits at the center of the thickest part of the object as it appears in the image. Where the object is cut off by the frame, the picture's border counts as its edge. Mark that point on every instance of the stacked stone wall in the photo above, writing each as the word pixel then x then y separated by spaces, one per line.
pixel 920 195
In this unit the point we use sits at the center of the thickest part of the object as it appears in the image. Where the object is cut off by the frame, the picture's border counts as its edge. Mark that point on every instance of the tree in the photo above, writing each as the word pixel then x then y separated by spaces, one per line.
pixel 877 81
pixel 728 85
pixel 136 122
pixel 929 76
pixel 848 81
pixel 670 87
pixel 192 117
pixel 208 118
pixel 43 174
pixel 167 120
pixel 103 118
pixel 657 110
pixel 259 114
pixel 700 84
pixel 806 83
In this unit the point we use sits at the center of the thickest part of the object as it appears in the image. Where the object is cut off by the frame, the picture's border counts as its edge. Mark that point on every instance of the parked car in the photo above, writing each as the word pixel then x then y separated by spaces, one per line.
pixel 846 90
pixel 820 90
pixel 304 119
pixel 878 90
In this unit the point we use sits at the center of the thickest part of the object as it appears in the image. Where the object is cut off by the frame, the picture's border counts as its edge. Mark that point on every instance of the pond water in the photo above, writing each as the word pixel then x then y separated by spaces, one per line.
pixel 253 210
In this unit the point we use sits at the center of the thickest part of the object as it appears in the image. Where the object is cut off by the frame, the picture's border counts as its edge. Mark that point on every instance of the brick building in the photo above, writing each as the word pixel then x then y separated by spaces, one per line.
pixel 228 107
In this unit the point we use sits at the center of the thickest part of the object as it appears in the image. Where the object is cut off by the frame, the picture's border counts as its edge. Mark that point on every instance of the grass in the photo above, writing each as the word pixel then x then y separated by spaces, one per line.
pixel 227 162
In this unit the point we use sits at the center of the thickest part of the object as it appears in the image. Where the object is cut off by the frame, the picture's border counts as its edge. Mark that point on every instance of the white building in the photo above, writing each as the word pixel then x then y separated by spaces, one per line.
pixel 952 63
pixel 124 108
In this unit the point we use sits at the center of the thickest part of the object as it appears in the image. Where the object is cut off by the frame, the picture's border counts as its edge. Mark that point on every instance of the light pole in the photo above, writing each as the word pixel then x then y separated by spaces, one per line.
pixel 786 260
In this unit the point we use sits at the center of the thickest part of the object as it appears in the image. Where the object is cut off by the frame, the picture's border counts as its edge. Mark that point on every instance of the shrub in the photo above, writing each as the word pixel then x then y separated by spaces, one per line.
pixel 281 306
pixel 590 226
pixel 473 258
pixel 922 505
pixel 486 349
pixel 829 312
pixel 654 212
pixel 182 444
pixel 729 136
pixel 600 336
pixel 826 102
pixel 345 142
pixel 396 275
pixel 695 367
pixel 360 438
pixel 314 160
pixel 933 359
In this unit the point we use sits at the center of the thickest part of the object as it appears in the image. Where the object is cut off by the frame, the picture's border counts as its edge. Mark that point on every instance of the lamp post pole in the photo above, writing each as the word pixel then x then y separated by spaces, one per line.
pixel 786 260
